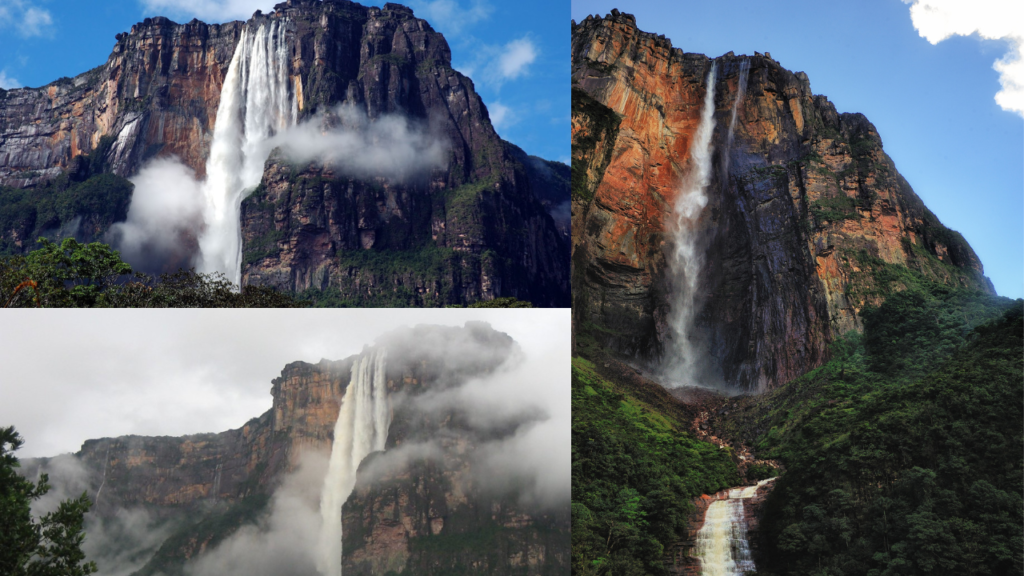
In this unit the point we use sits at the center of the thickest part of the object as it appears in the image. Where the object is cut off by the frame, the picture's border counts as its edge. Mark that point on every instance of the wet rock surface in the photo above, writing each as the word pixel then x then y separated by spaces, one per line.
pixel 803 207
pixel 493 223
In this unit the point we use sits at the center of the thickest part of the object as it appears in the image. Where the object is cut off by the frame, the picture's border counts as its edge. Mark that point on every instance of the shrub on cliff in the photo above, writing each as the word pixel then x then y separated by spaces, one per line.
pixel 48 546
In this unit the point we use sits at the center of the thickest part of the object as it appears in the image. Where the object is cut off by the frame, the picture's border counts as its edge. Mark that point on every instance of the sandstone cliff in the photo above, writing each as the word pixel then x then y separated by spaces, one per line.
pixel 486 226
pixel 805 208
pixel 431 516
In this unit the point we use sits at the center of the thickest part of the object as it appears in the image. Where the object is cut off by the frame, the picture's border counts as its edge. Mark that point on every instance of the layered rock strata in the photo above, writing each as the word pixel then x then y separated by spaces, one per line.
pixel 431 515
pixel 804 207
pixel 493 222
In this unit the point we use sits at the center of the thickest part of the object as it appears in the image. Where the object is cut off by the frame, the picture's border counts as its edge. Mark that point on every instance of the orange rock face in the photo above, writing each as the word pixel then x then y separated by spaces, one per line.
pixel 156 95
pixel 803 205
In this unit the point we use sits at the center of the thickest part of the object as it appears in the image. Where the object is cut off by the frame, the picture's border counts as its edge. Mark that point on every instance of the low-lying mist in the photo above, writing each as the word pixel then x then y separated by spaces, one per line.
pixel 176 220
pixel 499 422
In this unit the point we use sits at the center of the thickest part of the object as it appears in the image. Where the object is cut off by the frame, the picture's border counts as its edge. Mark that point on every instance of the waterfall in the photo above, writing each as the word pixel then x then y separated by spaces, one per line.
pixel 255 103
pixel 684 262
pixel 361 428
pixel 722 545
pixel 740 91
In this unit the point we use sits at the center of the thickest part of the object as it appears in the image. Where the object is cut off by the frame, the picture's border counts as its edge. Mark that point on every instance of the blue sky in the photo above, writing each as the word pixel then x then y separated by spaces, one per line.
pixel 517 56
pixel 933 105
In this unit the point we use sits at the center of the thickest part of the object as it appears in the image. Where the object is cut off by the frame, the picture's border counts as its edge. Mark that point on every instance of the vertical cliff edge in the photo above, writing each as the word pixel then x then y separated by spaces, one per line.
pixel 425 504
pixel 491 223
pixel 806 214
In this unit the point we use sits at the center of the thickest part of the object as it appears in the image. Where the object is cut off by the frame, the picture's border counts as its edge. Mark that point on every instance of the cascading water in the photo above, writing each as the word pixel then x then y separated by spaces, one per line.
pixel 255 103
pixel 740 92
pixel 684 263
pixel 361 428
pixel 722 545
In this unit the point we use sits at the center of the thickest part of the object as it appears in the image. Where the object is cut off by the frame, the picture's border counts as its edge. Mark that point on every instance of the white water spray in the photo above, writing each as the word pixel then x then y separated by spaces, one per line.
pixel 740 92
pixel 361 428
pixel 255 103
pixel 684 263
pixel 722 545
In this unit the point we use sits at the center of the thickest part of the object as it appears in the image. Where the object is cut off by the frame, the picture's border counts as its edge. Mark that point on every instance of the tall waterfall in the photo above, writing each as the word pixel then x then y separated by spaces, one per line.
pixel 722 545
pixel 684 262
pixel 255 103
pixel 361 428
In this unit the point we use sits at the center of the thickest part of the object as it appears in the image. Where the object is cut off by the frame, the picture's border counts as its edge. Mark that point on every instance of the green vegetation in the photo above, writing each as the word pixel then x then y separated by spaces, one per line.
pixel 429 261
pixel 262 247
pixel 602 125
pixel 903 453
pixel 34 212
pixel 878 279
pixel 834 209
pixel 506 302
pixel 634 472
pixel 462 207
pixel 49 546
pixel 77 275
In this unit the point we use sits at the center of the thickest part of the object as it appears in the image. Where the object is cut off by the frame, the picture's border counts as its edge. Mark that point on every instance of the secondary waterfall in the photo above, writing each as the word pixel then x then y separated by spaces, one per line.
pixel 722 545
pixel 255 103
pixel 361 428
pixel 740 91
pixel 684 262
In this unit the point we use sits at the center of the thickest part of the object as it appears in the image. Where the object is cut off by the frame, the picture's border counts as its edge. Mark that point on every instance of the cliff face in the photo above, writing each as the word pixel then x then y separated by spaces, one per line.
pixel 492 223
pixel 157 94
pixel 191 470
pixel 480 229
pixel 804 207
pixel 427 515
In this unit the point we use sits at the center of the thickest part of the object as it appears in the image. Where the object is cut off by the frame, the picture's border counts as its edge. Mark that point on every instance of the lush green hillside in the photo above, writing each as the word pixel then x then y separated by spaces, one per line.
pixel 903 453
pixel 634 471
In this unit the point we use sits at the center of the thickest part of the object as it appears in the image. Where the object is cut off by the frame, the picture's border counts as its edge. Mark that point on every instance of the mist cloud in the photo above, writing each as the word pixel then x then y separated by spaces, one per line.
pixel 346 139
pixel 164 219
pixel 524 403
pixel 170 208
pixel 120 542
pixel 283 541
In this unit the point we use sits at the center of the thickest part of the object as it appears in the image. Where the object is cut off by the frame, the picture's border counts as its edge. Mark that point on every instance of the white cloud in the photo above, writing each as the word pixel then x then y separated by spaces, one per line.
pixel 448 16
pixel 516 56
pixel 6 82
pixel 211 11
pixel 936 20
pixel 501 115
pixel 26 18
pixel 494 65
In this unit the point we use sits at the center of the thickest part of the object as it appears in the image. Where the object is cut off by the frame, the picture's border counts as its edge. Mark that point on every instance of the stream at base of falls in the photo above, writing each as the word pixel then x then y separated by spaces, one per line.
pixel 722 546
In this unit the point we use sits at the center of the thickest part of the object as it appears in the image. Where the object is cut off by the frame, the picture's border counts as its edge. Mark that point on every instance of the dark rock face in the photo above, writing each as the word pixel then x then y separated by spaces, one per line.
pixel 803 207
pixel 493 223
pixel 480 229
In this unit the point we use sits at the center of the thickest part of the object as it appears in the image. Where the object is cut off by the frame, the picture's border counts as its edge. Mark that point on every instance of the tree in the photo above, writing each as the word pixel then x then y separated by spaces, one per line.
pixel 71 274
pixel 49 546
